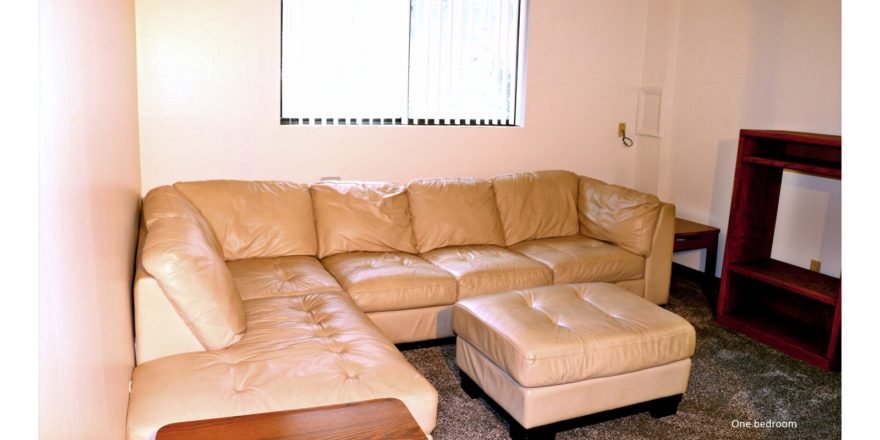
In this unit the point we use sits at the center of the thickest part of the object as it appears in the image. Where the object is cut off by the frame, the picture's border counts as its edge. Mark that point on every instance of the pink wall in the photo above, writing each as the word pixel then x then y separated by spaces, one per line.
pixel 209 100
pixel 89 195
pixel 754 64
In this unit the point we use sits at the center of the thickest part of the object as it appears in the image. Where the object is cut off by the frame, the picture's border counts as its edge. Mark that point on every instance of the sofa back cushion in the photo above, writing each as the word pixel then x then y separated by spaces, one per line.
pixel 361 216
pixel 184 257
pixel 622 216
pixel 539 204
pixel 454 212
pixel 256 219
pixel 166 202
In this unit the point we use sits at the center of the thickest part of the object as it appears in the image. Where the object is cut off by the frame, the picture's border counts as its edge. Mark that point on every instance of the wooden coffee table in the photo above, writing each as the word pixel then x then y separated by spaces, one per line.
pixel 369 419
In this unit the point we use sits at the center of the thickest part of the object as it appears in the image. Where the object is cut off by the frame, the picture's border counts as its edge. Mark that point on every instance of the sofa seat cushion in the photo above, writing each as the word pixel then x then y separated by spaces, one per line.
pixel 578 259
pixel 488 269
pixel 281 276
pixel 561 334
pixel 382 281
pixel 298 352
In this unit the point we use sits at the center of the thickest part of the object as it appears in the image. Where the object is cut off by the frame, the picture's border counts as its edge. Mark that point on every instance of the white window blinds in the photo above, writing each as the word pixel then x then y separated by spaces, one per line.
pixel 435 62
pixel 344 59
pixel 463 60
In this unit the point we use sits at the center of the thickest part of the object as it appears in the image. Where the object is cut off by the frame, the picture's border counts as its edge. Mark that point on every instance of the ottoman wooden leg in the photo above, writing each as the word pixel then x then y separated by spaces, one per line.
pixel 666 406
pixel 517 432
pixel 469 386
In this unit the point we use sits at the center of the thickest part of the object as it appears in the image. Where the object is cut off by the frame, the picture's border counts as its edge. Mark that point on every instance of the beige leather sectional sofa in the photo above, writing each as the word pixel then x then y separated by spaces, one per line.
pixel 264 296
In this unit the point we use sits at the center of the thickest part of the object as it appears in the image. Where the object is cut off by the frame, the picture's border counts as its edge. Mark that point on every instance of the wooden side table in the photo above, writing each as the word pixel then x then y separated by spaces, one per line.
pixel 380 418
pixel 691 235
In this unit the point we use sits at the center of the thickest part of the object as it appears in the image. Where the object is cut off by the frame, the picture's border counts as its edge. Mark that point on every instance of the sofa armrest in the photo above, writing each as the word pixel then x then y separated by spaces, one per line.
pixel 618 215
pixel 635 221
pixel 159 329
pixel 658 264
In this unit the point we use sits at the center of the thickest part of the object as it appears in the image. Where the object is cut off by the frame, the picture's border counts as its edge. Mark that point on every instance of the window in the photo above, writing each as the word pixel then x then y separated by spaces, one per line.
pixel 400 62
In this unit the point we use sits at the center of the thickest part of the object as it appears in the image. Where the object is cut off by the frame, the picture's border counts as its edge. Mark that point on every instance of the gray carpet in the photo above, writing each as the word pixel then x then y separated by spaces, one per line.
pixel 733 378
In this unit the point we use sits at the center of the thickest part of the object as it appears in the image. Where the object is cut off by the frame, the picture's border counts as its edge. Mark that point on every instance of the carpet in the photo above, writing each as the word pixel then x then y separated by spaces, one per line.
pixel 734 380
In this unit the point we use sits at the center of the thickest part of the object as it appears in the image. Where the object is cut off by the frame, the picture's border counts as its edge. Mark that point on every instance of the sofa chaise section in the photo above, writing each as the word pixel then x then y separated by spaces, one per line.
pixel 299 349
pixel 263 231
pixel 298 352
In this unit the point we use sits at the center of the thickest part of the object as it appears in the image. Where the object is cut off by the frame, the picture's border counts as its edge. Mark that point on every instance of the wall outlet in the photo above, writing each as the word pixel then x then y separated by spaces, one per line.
pixel 621 129
pixel 815 265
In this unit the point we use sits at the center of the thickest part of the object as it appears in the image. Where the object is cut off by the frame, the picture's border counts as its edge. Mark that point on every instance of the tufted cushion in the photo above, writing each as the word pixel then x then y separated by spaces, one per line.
pixel 256 219
pixel 299 352
pixel 361 216
pixel 383 281
pixel 578 259
pixel 454 212
pixel 561 334
pixel 617 215
pixel 489 269
pixel 537 205
pixel 282 276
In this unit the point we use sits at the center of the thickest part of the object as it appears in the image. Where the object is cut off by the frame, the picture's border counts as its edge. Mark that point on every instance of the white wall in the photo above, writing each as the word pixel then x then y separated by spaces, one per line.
pixel 19 113
pixel 89 195
pixel 754 64
pixel 209 101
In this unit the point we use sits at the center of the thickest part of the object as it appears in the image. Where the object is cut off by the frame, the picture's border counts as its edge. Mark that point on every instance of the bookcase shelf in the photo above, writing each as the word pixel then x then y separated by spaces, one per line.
pixel 787 307
pixel 818 168
pixel 795 279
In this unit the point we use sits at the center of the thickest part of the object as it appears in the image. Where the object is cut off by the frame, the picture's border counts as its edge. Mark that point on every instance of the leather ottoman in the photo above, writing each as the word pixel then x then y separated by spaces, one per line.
pixel 555 353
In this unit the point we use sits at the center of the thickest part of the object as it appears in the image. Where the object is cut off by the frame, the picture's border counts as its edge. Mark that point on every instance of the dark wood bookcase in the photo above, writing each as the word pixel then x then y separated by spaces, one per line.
pixel 785 306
